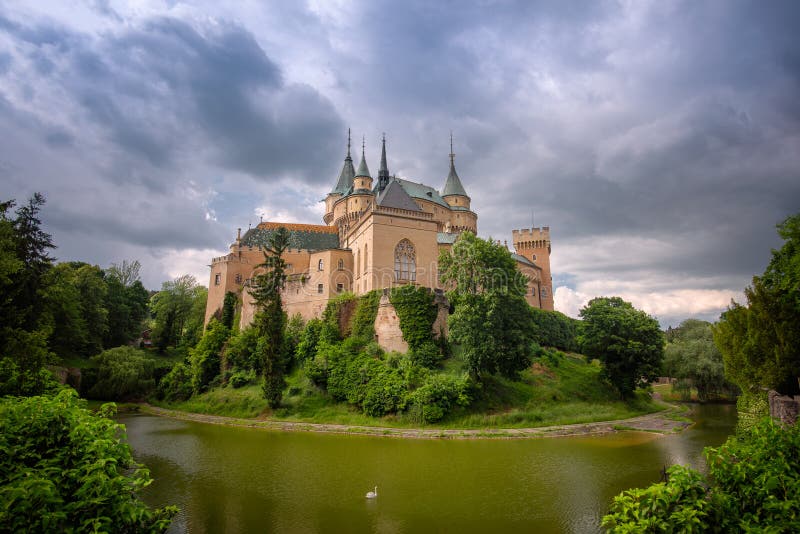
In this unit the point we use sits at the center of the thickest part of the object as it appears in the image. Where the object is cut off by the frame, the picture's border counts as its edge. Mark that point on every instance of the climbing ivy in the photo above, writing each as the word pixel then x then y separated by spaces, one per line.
pixel 363 324
pixel 414 306
pixel 330 317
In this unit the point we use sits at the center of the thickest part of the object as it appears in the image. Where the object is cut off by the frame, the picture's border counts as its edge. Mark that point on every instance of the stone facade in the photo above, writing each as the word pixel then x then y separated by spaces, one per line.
pixel 377 234
pixel 784 408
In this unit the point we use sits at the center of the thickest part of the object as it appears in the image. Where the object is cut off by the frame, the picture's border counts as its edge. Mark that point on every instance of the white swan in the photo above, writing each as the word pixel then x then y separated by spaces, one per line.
pixel 372 494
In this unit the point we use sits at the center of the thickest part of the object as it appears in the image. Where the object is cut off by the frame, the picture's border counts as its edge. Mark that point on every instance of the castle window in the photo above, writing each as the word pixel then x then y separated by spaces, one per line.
pixel 544 292
pixel 533 291
pixel 320 288
pixel 217 279
pixel 238 278
pixel 405 261
pixel 341 265
pixel 365 257
pixel 321 265
pixel 339 288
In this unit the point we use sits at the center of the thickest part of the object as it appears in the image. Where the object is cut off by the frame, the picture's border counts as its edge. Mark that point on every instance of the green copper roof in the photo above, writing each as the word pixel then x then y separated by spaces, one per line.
pixel 348 173
pixel 444 238
pixel 298 239
pixel 453 184
pixel 362 168
pixel 422 191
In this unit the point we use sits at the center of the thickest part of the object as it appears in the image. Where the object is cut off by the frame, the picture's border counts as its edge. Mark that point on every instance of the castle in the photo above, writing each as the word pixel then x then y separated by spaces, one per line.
pixel 377 234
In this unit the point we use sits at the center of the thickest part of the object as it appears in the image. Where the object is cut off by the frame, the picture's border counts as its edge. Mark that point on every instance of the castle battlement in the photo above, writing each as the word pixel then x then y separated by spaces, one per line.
pixel 531 233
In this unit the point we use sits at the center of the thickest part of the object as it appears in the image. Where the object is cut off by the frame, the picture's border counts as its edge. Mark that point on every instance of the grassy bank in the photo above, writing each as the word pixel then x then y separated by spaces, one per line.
pixel 554 391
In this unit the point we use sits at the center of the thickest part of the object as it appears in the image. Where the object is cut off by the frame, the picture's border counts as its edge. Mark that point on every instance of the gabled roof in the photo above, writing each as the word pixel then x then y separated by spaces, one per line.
pixel 301 236
pixel 394 196
pixel 422 191
pixel 526 261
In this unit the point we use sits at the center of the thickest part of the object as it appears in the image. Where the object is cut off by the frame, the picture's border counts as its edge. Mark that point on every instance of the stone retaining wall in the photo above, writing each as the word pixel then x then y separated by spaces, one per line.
pixel 784 408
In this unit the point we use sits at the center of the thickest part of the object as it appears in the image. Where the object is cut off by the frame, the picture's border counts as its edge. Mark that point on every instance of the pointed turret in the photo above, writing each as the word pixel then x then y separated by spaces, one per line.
pixel 363 170
pixel 383 172
pixel 363 180
pixel 348 173
pixel 453 184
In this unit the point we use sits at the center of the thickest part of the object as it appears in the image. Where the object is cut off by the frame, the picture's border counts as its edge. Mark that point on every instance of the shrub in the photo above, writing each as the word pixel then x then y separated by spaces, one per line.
pixel 307 347
pixel 205 358
pixel 123 373
pixel 177 384
pixel 240 351
pixel 65 469
pixel 438 395
pixel 241 378
pixel 753 485
pixel 425 355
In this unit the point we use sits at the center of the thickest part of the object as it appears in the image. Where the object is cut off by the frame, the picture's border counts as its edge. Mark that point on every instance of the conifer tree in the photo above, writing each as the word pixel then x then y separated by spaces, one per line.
pixel 270 319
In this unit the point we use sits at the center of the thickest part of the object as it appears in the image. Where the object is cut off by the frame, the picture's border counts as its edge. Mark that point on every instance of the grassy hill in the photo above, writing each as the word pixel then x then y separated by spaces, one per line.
pixel 557 388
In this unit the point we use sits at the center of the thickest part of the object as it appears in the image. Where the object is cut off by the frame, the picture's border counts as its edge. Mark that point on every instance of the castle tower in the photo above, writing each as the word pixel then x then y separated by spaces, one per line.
pixel 383 172
pixel 456 197
pixel 342 186
pixel 362 180
pixel 534 244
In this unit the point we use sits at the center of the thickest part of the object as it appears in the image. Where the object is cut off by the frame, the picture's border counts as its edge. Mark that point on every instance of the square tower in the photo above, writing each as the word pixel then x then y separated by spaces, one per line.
pixel 534 244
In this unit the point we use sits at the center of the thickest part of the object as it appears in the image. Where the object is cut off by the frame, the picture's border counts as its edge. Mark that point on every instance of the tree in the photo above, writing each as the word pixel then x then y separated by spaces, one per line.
pixel 66 469
pixel 177 312
pixel 126 272
pixel 694 360
pixel 627 341
pixel 760 342
pixel 491 320
pixel 229 308
pixel 123 373
pixel 270 320
pixel 205 357
pixel 126 302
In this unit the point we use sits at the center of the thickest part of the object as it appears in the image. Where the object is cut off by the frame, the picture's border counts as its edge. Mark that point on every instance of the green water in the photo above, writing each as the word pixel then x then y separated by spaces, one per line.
pixel 242 480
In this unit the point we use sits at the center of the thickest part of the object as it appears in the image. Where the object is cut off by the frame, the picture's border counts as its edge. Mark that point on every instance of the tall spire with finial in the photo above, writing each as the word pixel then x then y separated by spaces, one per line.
pixel 383 172
pixel 363 170
pixel 348 173
pixel 452 185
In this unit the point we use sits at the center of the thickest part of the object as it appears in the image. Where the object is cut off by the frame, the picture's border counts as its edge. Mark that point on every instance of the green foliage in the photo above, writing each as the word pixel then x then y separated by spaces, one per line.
pixel 240 352
pixel 491 320
pixel 178 311
pixel 751 407
pixel 333 326
pixel 753 485
pixel 270 320
pixel 293 336
pixel 694 360
pixel 307 347
pixel 426 354
pixel 363 324
pixel 64 469
pixel 438 395
pixel 627 341
pixel 123 373
pixel 240 379
pixel 229 309
pixel 760 342
pixel 177 384
pixel 494 333
pixel 554 329
pixel 126 303
pixel 22 363
pixel 205 357
pixel 417 313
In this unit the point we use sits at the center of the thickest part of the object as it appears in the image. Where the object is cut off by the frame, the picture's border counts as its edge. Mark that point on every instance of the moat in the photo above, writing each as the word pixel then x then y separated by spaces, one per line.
pixel 228 479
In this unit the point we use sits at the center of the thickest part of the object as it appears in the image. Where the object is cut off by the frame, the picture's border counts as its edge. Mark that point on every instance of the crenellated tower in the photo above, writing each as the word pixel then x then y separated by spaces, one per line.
pixel 534 244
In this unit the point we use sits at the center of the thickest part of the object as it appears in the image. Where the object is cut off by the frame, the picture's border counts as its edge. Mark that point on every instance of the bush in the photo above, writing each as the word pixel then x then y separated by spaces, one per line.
pixel 425 355
pixel 240 379
pixel 177 384
pixel 438 395
pixel 66 469
pixel 205 358
pixel 240 351
pixel 123 373
pixel 753 485
pixel 307 347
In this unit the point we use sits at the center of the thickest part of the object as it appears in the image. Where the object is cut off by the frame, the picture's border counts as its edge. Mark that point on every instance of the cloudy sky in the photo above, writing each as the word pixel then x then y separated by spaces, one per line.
pixel 660 141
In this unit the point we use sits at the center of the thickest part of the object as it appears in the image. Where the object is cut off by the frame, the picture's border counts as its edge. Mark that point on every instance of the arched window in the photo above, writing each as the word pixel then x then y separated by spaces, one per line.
pixel 321 265
pixel 358 261
pixel 365 258
pixel 341 265
pixel 405 262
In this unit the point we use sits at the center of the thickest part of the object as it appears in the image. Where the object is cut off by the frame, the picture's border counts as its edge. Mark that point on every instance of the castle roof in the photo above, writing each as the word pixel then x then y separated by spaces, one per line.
pixel 524 260
pixel 422 191
pixel 301 236
pixel 394 196
pixel 348 173
pixel 452 185
pixel 363 170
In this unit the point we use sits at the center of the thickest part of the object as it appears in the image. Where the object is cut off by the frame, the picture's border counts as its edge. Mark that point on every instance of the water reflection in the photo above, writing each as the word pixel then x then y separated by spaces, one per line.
pixel 244 480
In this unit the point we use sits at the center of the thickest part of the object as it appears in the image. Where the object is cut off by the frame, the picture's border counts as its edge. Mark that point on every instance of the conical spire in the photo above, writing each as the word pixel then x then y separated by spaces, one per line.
pixel 453 184
pixel 383 172
pixel 348 173
pixel 362 167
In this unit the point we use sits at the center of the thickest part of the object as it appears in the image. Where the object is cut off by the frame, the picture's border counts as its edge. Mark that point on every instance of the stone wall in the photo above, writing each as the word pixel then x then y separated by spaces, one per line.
pixel 387 323
pixel 784 408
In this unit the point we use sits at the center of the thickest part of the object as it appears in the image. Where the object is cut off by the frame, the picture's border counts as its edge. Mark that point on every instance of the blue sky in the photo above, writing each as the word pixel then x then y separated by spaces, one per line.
pixel 660 141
